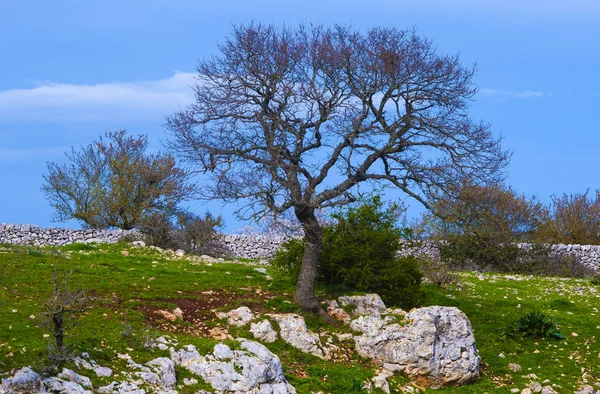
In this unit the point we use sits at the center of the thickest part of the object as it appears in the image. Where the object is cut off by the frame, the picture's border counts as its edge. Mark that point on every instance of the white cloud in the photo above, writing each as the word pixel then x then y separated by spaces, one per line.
pixel 523 94
pixel 8 155
pixel 118 100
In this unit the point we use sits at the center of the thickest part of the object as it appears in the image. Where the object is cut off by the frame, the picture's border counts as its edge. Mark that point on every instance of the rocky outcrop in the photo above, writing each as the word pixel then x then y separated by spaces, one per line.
pixel 434 346
pixel 253 369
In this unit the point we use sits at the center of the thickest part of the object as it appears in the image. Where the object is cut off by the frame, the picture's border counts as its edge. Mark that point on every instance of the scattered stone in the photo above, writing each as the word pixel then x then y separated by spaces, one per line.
pixel 501 355
pixel 179 253
pixel 585 389
pixel 514 367
pixel 165 369
pixel 223 352
pixel 178 312
pixel 263 331
pixel 219 333
pixel 535 387
pixel 167 315
pixel 24 378
pixel 380 380
pixel 548 390
pixel 189 381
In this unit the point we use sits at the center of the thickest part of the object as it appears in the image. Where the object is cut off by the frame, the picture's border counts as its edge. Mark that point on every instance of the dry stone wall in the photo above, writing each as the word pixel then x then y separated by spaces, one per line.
pixel 250 246
pixel 25 234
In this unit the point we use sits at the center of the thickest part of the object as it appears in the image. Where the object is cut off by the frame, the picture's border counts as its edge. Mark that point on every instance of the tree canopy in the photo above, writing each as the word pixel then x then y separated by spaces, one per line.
pixel 113 182
pixel 301 117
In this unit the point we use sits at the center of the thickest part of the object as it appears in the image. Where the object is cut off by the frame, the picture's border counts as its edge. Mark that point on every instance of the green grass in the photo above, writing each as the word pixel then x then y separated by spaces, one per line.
pixel 128 287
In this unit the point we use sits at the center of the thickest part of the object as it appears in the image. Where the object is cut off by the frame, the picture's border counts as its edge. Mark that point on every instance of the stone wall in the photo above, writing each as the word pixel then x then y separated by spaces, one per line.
pixel 252 246
pixel 25 234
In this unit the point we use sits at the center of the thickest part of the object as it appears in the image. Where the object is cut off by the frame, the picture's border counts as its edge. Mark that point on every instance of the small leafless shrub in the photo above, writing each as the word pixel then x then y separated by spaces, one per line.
pixel 60 312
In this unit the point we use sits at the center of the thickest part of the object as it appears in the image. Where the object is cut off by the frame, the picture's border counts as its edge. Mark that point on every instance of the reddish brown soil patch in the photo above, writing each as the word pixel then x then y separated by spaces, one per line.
pixel 198 313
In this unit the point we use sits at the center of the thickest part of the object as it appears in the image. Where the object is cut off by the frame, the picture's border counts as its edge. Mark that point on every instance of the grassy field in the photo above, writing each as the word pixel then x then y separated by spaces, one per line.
pixel 130 287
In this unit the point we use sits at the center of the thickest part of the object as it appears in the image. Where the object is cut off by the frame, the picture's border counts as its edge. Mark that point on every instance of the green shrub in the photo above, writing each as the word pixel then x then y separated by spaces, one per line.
pixel 360 253
pixel 536 325
pixel 288 259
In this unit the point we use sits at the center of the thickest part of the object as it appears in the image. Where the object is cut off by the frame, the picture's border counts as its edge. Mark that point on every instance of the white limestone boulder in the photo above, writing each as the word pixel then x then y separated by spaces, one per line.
pixel 435 347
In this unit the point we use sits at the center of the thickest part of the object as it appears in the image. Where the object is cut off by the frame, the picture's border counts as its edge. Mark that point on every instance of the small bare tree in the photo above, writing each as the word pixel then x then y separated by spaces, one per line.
pixel 572 219
pixel 298 118
pixel 60 309
pixel 113 182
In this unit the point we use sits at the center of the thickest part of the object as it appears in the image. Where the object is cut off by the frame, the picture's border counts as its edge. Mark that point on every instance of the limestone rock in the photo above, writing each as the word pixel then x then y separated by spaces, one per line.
pixel 365 305
pixel 436 348
pixel 380 380
pixel 294 331
pixel 548 390
pixel 23 380
pixel 263 331
pixel 165 369
pixel 240 316
pixel 334 310
pixel 254 369
pixel 74 377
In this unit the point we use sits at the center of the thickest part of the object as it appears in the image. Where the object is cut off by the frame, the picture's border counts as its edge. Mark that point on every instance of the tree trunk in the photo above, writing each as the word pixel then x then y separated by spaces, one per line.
pixel 305 289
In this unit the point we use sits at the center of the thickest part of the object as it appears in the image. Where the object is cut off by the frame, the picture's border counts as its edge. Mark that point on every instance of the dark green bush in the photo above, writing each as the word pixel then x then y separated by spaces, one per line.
pixel 360 253
pixel 537 325
pixel 288 259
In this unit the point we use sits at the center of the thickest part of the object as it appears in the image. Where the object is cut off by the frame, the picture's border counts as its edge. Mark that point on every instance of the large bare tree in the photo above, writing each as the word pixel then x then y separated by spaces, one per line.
pixel 297 118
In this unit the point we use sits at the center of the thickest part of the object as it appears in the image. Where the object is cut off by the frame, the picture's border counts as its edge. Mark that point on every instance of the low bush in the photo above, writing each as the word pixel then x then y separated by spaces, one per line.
pixel 198 235
pixel 360 252
pixel 185 230
pixel 470 252
pixel 437 272
pixel 158 229
pixel 536 325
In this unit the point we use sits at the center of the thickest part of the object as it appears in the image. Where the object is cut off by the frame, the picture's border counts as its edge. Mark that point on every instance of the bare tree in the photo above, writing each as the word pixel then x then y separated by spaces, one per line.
pixel 298 118
pixel 113 182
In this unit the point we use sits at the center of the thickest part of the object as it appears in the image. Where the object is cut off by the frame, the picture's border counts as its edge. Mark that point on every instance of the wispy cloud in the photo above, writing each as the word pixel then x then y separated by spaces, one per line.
pixel 61 101
pixel 8 155
pixel 522 94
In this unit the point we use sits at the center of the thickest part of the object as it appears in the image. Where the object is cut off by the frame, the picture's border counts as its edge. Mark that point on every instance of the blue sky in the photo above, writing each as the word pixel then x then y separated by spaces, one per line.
pixel 73 69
